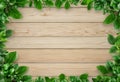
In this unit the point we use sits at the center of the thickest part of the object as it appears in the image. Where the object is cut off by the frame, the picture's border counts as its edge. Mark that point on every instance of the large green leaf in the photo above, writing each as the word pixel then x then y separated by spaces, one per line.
pixel 102 69
pixel 11 57
pixel 111 39
pixel 84 76
pixel 110 18
pixel 22 70
pixel 13 12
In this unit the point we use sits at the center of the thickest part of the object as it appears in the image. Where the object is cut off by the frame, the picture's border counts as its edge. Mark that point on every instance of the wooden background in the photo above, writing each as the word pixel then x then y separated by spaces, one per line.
pixel 54 41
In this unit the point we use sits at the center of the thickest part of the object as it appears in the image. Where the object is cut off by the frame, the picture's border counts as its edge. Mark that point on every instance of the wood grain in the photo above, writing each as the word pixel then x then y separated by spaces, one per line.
pixel 62 55
pixel 60 29
pixel 54 41
pixel 54 69
pixel 57 42
pixel 60 15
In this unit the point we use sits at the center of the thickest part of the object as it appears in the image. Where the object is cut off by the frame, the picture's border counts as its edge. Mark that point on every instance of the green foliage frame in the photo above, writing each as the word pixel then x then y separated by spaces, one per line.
pixel 11 72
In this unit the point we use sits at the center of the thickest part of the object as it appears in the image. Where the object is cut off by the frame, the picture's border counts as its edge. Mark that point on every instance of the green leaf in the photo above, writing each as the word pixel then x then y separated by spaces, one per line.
pixel 47 79
pixel 38 4
pixel 2 5
pixel 27 78
pixel 86 2
pixel 89 6
pixel 11 57
pixel 84 76
pixel 109 65
pixel 116 59
pixel 9 33
pixel 15 13
pixel 75 2
pixel 30 3
pixel 58 3
pixel 67 5
pixel 102 69
pixel 113 49
pixel 21 3
pixel 49 3
pixel 12 2
pixel 111 39
pixel 39 79
pixel 22 70
pixel 117 23
pixel 62 76
pixel 109 19
pixel 117 43
pixel 73 79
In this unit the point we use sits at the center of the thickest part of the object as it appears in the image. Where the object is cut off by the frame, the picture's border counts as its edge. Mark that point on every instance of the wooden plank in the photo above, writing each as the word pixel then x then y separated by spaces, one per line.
pixel 39 69
pixel 60 15
pixel 57 42
pixel 60 29
pixel 62 55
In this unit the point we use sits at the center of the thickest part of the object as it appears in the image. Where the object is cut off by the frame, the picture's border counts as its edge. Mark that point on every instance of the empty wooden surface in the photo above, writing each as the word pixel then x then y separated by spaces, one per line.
pixel 54 41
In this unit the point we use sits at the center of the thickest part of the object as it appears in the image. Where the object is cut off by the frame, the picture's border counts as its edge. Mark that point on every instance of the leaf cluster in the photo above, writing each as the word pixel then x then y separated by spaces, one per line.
pixel 10 72
pixel 115 42
pixel 63 78
pixel 109 7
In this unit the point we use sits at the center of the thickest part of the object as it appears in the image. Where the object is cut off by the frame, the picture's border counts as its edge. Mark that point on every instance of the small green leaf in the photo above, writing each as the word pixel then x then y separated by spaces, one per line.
pixel 89 6
pixel 111 39
pixel 38 4
pixel 21 3
pixel 39 79
pixel 102 69
pixel 58 3
pixel 73 79
pixel 49 3
pixel 109 65
pixel 62 76
pixel 84 2
pixel 15 13
pixel 27 78
pixel 2 5
pixel 11 57
pixel 113 49
pixel 117 43
pixel 8 33
pixel 22 70
pixel 30 3
pixel 117 23
pixel 109 19
pixel 116 59
pixel 67 5
pixel 84 76
pixel 47 79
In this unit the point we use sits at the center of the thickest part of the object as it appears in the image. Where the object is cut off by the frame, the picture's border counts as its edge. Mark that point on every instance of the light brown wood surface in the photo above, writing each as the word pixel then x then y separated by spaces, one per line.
pixel 53 69
pixel 58 42
pixel 61 29
pixel 60 15
pixel 54 41
pixel 62 55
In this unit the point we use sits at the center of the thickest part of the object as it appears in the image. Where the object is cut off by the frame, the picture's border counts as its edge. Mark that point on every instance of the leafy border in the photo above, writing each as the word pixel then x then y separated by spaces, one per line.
pixel 12 72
